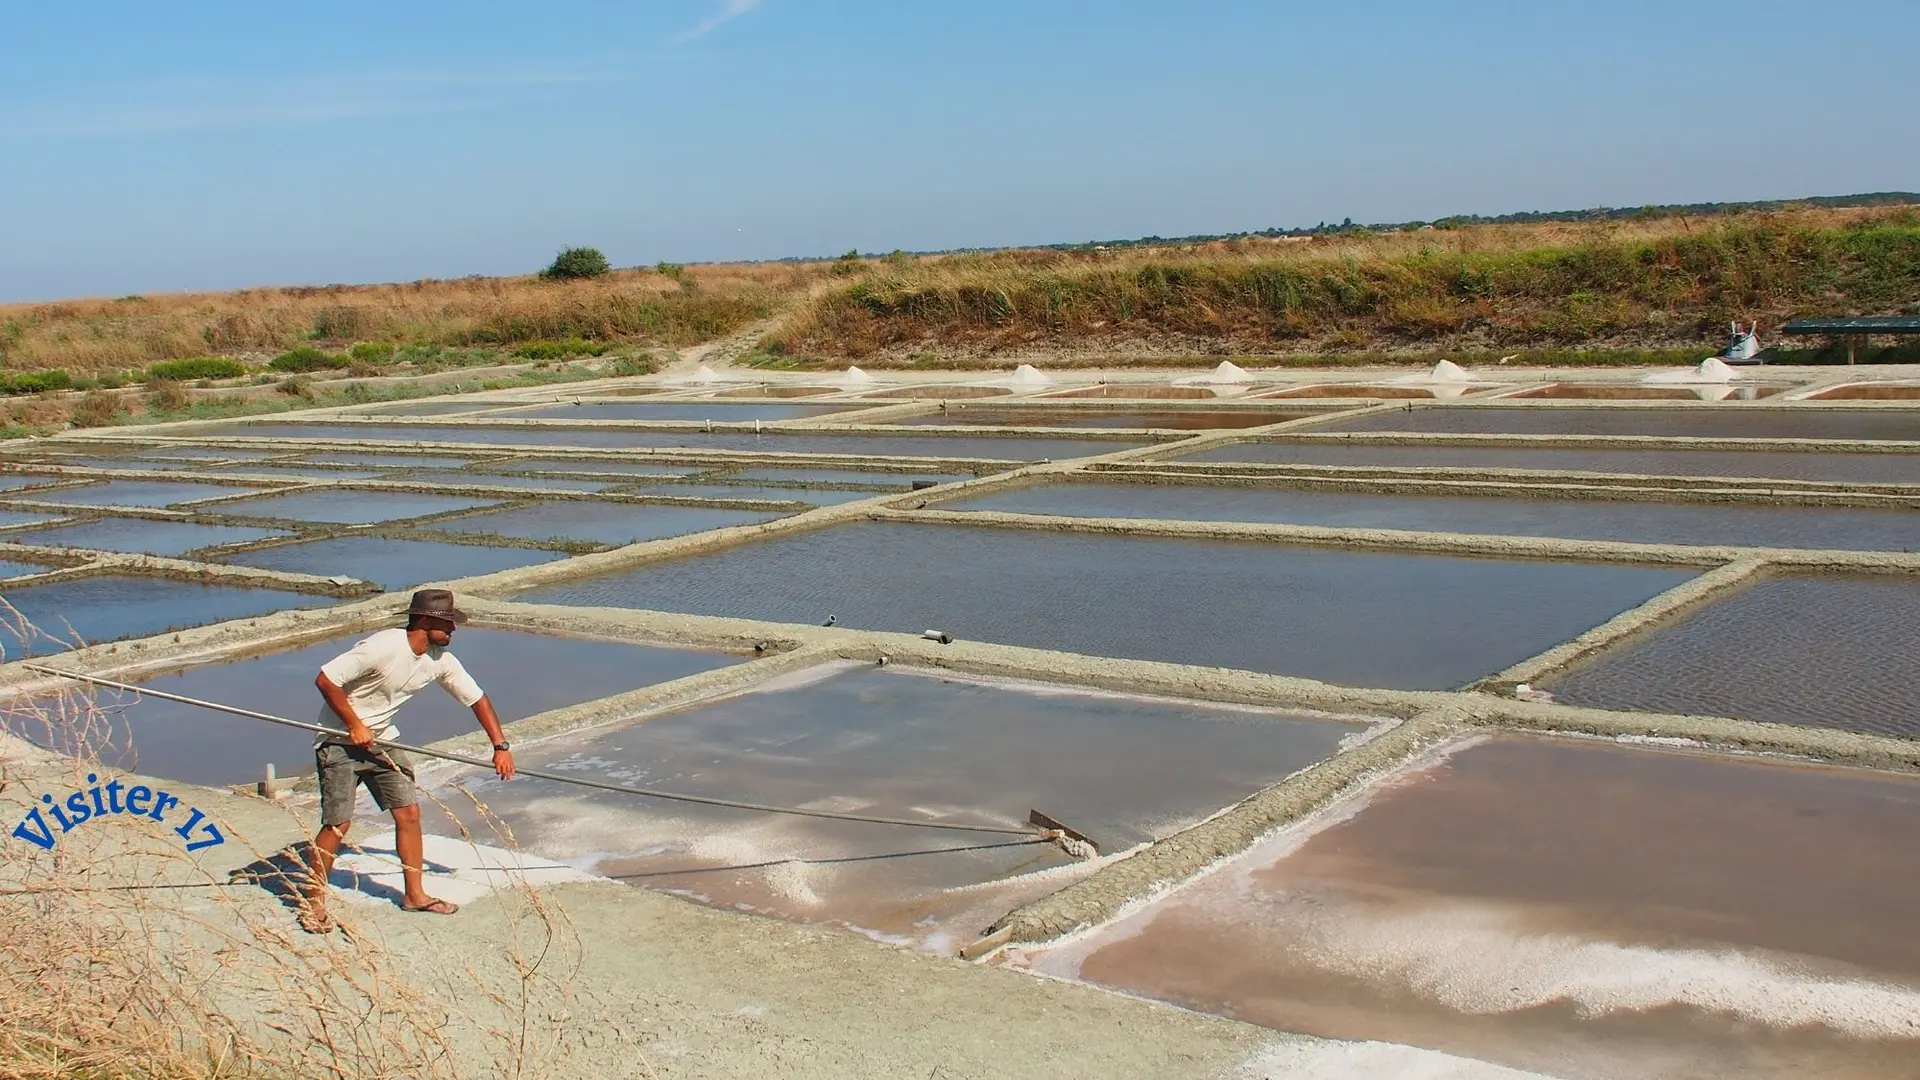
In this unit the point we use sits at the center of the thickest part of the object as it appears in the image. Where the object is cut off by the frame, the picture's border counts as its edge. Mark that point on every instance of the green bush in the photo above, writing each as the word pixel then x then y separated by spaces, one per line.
pixel 307 358
pixel 560 350
pixel 672 270
pixel 373 352
pixel 35 382
pixel 198 367
pixel 577 262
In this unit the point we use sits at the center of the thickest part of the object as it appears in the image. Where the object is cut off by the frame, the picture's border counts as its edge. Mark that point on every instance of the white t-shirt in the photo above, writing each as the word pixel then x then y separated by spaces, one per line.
pixel 381 672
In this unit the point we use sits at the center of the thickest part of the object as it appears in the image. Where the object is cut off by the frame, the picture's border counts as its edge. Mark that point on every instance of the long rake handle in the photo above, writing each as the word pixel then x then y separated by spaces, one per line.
pixel 539 774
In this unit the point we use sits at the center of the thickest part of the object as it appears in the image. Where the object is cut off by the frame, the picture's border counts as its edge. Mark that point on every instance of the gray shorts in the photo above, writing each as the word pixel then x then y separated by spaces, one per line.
pixel 343 767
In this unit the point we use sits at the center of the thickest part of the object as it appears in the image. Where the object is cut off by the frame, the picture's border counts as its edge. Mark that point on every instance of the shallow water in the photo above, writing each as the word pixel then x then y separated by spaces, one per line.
pixel 1824 650
pixel 1580 519
pixel 1707 421
pixel 168 538
pixel 1776 464
pixel 140 493
pixel 601 523
pixel 894 744
pixel 110 607
pixel 1010 448
pixel 731 412
pixel 416 461
pixel 393 564
pixel 13 568
pixel 183 742
pixel 431 408
pixel 902 480
pixel 543 483
pixel 815 496
pixel 1183 419
pixel 22 517
pixel 1587 911
pixel 351 507
pixel 1383 619
pixel 579 465
pixel 295 472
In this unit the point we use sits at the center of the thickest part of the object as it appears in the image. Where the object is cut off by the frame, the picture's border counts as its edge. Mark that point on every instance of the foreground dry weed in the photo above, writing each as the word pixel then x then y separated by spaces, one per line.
pixel 122 956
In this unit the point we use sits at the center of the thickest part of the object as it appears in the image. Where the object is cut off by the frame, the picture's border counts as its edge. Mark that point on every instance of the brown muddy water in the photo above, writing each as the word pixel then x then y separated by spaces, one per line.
pixel 1386 619
pixel 893 744
pixel 1705 421
pixel 1586 910
pixel 601 523
pixel 1355 390
pixel 731 412
pixel 1865 392
pixel 1832 651
pixel 109 607
pixel 1140 392
pixel 1621 392
pixel 350 507
pixel 1180 419
pixel 393 564
pixel 941 390
pixel 169 538
pixel 1774 464
pixel 1580 519
pixel 522 673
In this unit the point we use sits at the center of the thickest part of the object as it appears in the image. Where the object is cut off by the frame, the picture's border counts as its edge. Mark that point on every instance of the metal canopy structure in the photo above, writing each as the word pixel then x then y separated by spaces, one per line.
pixel 1856 330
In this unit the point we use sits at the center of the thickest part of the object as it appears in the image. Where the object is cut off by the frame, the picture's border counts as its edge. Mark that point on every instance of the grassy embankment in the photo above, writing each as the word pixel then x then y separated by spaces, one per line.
pixel 1654 291
pixel 1658 291
pixel 205 355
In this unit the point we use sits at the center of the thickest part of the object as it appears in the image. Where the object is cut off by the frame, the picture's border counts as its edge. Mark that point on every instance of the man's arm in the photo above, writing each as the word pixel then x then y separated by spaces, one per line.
pixel 502 759
pixel 358 733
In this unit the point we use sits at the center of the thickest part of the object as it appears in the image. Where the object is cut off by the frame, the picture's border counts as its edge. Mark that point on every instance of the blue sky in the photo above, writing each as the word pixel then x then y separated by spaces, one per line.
pixel 148 147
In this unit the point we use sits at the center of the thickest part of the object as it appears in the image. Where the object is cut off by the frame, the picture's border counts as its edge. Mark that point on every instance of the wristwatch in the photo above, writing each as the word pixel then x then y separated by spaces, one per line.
pixel 503 746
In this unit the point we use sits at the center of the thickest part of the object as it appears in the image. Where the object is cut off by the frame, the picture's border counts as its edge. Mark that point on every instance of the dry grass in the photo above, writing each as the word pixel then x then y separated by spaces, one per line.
pixel 96 336
pixel 1630 284
pixel 123 958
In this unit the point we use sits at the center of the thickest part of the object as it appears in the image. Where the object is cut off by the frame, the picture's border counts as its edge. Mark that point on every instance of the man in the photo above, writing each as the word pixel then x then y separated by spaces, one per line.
pixel 363 688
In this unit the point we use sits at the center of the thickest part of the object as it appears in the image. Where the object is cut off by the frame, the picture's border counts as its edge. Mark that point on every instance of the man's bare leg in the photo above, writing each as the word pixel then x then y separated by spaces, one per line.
pixel 326 847
pixel 412 849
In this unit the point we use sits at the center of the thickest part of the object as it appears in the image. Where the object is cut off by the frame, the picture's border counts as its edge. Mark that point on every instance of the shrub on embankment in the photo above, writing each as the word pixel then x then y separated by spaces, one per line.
pixel 1427 290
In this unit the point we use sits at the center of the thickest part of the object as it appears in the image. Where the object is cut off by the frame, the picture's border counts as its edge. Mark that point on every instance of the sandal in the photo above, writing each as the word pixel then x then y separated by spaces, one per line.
pixel 316 921
pixel 434 907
